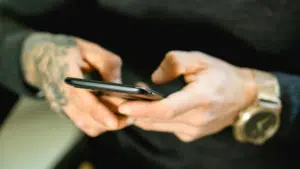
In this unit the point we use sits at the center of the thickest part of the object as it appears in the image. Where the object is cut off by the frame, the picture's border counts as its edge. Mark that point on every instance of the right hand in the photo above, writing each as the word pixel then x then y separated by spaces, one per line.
pixel 48 59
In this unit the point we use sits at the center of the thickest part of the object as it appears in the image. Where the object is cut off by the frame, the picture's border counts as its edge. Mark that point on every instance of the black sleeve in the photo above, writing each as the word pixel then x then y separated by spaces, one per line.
pixel 12 35
pixel 290 96
pixel 13 31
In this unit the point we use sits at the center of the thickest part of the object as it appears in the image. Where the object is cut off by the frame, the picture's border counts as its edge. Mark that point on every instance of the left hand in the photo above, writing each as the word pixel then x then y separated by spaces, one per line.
pixel 215 93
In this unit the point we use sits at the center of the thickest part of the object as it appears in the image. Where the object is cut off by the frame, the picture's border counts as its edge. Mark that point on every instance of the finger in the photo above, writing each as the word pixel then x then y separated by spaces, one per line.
pixel 175 64
pixel 170 127
pixel 112 103
pixel 61 95
pixel 212 127
pixel 106 62
pixel 125 121
pixel 197 117
pixel 83 121
pixel 168 108
pixel 90 104
pixel 190 78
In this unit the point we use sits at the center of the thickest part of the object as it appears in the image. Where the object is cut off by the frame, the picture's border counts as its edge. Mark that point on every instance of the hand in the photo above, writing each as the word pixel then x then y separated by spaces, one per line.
pixel 48 59
pixel 215 92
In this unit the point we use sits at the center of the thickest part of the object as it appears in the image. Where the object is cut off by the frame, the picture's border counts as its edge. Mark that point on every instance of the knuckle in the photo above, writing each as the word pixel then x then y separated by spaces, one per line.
pixel 171 56
pixel 173 61
pixel 116 60
pixel 174 53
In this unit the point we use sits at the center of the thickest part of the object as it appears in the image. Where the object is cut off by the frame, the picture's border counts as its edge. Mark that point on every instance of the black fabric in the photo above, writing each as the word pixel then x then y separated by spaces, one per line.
pixel 76 155
pixel 7 103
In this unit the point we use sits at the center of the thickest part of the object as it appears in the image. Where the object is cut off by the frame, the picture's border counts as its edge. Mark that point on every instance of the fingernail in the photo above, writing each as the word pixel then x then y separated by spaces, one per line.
pixel 111 123
pixel 124 110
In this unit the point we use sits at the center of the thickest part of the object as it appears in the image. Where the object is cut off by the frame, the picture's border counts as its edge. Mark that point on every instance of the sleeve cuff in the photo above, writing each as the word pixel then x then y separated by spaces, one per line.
pixel 290 97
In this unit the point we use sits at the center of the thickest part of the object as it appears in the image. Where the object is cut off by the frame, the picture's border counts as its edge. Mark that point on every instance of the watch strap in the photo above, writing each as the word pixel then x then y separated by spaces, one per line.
pixel 268 89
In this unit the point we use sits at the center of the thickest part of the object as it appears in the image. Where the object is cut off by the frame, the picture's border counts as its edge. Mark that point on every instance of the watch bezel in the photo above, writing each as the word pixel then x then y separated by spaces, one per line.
pixel 244 116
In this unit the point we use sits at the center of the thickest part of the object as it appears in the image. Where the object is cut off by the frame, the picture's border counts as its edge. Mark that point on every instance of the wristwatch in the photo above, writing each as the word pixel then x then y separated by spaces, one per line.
pixel 259 122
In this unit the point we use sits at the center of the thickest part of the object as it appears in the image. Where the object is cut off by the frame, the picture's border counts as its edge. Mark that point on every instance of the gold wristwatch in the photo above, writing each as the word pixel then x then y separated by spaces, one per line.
pixel 259 122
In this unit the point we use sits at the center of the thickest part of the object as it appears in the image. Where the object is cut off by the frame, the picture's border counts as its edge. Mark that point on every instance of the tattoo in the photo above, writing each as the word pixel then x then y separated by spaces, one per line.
pixel 49 58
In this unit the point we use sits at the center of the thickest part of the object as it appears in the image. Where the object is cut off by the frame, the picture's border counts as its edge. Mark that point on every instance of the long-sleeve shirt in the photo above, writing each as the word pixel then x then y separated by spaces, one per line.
pixel 257 34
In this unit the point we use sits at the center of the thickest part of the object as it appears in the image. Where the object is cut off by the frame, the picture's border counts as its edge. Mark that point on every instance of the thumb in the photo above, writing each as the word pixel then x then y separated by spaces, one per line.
pixel 175 64
pixel 107 63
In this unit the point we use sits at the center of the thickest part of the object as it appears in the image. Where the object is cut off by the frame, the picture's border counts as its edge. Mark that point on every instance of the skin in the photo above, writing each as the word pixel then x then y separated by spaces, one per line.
pixel 48 59
pixel 215 93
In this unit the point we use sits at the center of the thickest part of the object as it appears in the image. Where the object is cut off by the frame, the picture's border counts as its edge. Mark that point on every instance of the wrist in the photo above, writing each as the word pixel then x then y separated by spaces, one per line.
pixel 37 48
pixel 250 87
pixel 259 121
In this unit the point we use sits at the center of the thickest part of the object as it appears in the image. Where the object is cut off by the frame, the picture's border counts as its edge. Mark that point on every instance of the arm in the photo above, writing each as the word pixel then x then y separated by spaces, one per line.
pixel 224 91
pixel 44 60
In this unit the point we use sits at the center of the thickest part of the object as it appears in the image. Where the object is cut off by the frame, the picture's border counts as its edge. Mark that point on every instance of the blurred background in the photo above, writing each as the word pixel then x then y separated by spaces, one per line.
pixel 33 137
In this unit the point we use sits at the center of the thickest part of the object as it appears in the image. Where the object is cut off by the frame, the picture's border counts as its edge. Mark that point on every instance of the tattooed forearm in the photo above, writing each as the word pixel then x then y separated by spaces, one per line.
pixel 45 63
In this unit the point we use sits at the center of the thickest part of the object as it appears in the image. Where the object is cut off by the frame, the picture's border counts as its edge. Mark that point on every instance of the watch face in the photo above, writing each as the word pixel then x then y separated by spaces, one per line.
pixel 260 125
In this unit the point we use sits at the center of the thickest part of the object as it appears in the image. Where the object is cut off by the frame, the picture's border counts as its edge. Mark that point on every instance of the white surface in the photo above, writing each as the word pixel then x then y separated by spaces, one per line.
pixel 34 137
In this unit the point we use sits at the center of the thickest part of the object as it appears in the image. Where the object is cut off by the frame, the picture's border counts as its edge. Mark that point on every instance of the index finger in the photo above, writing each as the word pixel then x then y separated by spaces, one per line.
pixel 167 108
pixel 106 62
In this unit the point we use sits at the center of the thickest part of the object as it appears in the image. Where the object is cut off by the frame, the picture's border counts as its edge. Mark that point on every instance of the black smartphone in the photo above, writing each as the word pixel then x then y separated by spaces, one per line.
pixel 115 89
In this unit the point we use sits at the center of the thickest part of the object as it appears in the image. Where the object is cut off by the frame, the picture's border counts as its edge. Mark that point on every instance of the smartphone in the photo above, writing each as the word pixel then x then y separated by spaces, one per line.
pixel 115 89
